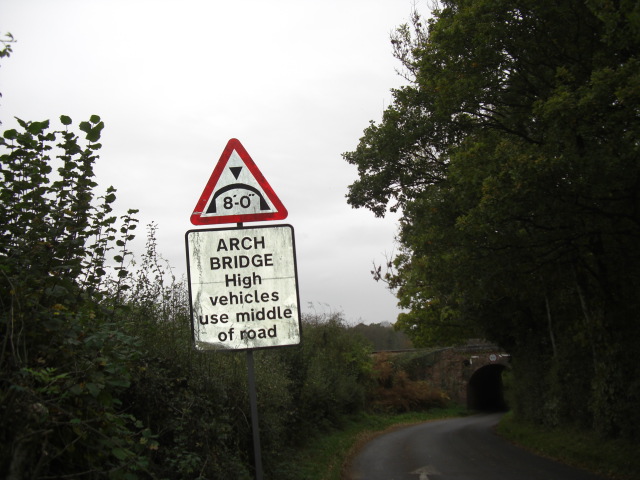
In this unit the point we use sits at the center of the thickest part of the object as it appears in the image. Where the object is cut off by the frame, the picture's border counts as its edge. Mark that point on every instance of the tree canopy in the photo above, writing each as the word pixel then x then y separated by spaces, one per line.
pixel 513 155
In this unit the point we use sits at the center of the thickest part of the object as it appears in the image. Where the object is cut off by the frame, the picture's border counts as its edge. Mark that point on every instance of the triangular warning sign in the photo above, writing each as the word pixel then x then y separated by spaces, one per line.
pixel 237 192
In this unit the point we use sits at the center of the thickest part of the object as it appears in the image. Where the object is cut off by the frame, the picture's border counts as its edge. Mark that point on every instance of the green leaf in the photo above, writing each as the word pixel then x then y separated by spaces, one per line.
pixel 119 382
pixel 94 388
pixel 66 120
pixel 76 390
pixel 120 453
pixel 36 128
pixel 11 134
pixel 93 135
pixel 94 119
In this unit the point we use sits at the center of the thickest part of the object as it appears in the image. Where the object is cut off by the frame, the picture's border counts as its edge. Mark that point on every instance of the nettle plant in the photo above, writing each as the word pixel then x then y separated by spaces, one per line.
pixel 63 360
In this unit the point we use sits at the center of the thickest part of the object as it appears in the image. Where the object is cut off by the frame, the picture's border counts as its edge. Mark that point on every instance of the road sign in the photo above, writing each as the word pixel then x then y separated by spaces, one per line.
pixel 243 287
pixel 237 192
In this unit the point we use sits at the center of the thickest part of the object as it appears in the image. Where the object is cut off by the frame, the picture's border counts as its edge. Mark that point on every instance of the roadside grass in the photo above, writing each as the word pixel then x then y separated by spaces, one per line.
pixel 614 459
pixel 326 456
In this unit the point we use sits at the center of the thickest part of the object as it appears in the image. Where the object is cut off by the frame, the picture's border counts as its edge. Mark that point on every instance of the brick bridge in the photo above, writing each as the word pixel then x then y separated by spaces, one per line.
pixel 470 374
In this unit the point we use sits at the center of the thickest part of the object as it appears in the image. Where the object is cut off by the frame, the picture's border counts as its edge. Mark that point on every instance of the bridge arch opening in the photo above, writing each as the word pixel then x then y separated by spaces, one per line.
pixel 485 390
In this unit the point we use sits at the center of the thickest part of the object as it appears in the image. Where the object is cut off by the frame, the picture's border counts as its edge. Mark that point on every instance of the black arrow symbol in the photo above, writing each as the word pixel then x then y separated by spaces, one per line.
pixel 236 171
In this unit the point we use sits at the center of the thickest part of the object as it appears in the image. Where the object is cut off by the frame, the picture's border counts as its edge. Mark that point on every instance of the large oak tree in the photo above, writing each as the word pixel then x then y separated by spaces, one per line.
pixel 513 154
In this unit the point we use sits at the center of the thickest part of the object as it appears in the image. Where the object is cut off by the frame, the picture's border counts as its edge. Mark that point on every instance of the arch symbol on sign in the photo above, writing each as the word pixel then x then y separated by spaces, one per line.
pixel 243 201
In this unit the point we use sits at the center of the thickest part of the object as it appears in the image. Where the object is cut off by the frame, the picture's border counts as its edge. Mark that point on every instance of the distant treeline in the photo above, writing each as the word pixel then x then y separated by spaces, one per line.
pixel 383 336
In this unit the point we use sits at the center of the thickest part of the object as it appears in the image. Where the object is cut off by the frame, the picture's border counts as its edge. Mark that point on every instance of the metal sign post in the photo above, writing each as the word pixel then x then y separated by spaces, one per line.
pixel 243 282
pixel 255 424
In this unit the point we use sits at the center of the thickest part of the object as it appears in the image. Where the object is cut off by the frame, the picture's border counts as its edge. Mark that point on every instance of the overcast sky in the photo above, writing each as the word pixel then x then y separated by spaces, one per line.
pixel 296 81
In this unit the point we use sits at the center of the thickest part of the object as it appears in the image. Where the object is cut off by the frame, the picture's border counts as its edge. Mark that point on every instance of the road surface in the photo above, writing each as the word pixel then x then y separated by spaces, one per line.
pixel 455 449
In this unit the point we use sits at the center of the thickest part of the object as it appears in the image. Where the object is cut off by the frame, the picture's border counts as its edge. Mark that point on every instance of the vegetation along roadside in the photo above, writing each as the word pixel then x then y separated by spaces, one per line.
pixel 327 456
pixel 512 156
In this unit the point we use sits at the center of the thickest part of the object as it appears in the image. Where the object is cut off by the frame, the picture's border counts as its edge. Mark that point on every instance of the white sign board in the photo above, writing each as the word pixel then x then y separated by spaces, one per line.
pixel 243 287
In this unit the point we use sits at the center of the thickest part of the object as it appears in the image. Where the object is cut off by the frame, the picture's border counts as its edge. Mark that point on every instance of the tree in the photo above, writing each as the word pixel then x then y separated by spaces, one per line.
pixel 383 336
pixel 513 155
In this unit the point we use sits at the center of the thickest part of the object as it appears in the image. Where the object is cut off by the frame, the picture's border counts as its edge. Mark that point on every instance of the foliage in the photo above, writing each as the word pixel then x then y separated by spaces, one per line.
pixel 395 391
pixel 577 447
pixel 513 156
pixel 330 373
pixel 64 363
pixel 7 48
pixel 383 336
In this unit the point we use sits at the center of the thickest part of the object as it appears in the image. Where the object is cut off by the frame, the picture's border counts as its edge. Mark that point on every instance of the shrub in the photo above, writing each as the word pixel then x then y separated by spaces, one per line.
pixel 64 363
pixel 330 373
pixel 396 392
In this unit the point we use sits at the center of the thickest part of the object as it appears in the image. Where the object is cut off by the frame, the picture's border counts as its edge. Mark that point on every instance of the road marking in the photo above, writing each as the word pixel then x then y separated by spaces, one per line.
pixel 424 472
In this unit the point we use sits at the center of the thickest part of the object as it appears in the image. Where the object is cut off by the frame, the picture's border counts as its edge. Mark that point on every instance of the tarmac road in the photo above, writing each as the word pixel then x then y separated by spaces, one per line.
pixel 455 449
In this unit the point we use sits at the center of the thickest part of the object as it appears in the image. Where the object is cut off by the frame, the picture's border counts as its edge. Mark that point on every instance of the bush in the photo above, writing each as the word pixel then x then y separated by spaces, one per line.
pixel 396 392
pixel 64 363
pixel 330 373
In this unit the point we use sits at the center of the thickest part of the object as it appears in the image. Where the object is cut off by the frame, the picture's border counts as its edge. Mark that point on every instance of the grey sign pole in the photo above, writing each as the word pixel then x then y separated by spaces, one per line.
pixel 243 294
pixel 255 426
pixel 224 304
pixel 253 405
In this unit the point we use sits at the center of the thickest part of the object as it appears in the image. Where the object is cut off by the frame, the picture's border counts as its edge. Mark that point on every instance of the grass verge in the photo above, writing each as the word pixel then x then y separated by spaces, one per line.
pixel 325 457
pixel 614 459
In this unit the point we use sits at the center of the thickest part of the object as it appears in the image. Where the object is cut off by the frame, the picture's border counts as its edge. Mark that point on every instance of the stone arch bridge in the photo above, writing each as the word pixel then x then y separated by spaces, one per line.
pixel 470 374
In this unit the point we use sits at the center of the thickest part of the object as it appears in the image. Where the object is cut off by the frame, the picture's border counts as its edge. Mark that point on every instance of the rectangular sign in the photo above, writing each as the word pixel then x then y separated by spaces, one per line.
pixel 243 287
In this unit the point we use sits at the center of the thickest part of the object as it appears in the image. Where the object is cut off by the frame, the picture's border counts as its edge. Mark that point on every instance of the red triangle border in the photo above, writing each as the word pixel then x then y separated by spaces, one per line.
pixel 234 144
